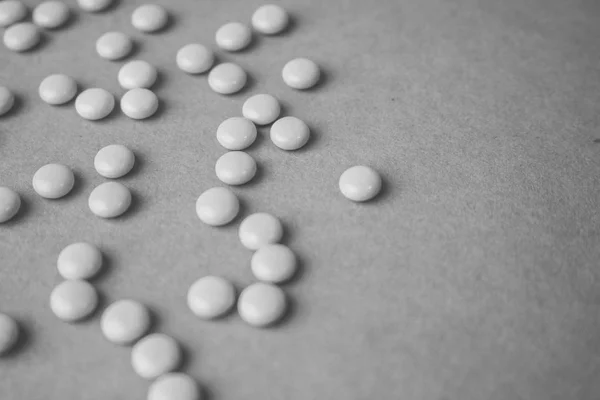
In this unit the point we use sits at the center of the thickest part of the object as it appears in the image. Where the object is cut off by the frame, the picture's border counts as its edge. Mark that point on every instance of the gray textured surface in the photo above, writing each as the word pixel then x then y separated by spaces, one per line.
pixel 475 276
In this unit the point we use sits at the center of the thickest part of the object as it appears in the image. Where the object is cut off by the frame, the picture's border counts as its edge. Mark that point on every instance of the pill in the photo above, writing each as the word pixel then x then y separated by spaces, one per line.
pixel 260 229
pixel 236 133
pixel 51 14
pixel 301 73
pixel 21 37
pixel 360 183
pixel 233 36
pixel 9 333
pixel 149 18
pixel 10 203
pixel 94 104
pixel 109 200
pixel 262 109
pixel 217 206
pixel 273 263
pixel 235 168
pixel 73 300
pixel 262 304
pixel 7 100
pixel 53 181
pixel 211 297
pixel 289 133
pixel 174 386
pixel 114 161
pixel 155 355
pixel 195 58
pixel 137 74
pixel 11 11
pixel 227 78
pixel 125 321
pixel 139 103
pixel 94 5
pixel 57 89
pixel 79 261
pixel 114 46
pixel 270 19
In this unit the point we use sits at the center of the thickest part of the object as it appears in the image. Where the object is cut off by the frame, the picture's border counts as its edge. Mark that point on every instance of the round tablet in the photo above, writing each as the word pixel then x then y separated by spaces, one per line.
pixel 114 161
pixel 273 263
pixel 10 203
pixel 260 229
pixel 262 304
pixel 227 78
pixel 125 321
pixel 137 74
pixel 21 37
pixel 289 133
pixel 236 133
pixel 217 206
pixel 262 109
pixel 51 14
pixel 139 103
pixel 109 200
pixel 57 89
pixel 53 181
pixel 155 355
pixel 233 36
pixel 9 333
pixel 149 18
pixel 73 300
pixel 195 58
pixel 301 73
pixel 7 100
pixel 79 261
pixel 94 104
pixel 174 386
pixel 211 297
pixel 11 11
pixel 235 168
pixel 94 5
pixel 360 183
pixel 114 46
pixel 270 19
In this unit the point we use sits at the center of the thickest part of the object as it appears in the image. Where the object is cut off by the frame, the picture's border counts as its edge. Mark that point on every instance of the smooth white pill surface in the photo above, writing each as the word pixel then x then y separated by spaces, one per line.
pixel 260 229
pixel 139 103
pixel 57 89
pixel 273 263
pixel 125 321
pixel 211 297
pixel 301 73
pixel 79 261
pixel 155 355
pixel 94 5
pixel 217 206
pixel 360 183
pixel 114 161
pixel 195 58
pixel 73 300
pixel 53 181
pixel 235 168
pixel 174 386
pixel 262 109
pixel 109 200
pixel 21 37
pixel 289 133
pixel 149 18
pixel 262 304
pixel 270 19
pixel 7 100
pixel 94 104
pixel 233 36
pixel 9 333
pixel 10 203
pixel 114 46
pixel 137 74
pixel 51 14
pixel 11 12
pixel 236 133
pixel 227 78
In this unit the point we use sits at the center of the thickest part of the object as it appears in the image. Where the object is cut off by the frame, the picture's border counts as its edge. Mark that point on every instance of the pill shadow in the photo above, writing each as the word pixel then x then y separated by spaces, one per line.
pixel 138 166
pixel 18 105
pixel 597 140
pixel 261 136
pixel 384 194
pixel 300 272
pixel 108 263
pixel 259 176
pixel 78 186
pixel 24 340
pixel 324 80
pixel 135 207
pixel 248 87
pixel 160 110
pixel 161 79
pixel 313 141
pixel 288 317
pixel 187 356
pixel 255 40
pixel 290 28
pixel 207 392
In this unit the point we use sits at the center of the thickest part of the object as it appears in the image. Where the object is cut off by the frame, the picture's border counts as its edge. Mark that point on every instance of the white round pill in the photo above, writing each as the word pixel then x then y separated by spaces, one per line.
pixel 10 203
pixel 53 181
pixel 9 333
pixel 73 300
pixel 21 37
pixel 289 133
pixel 114 161
pixel 137 74
pixel 235 168
pixel 94 104
pixel 227 78
pixel 94 5
pixel 114 46
pixel 273 263
pixel 79 261
pixel 301 73
pixel 155 355
pixel 109 200
pixel 217 206
pixel 260 229
pixel 236 133
pixel 11 12
pixel 149 18
pixel 7 100
pixel 360 183
pixel 174 386
pixel 125 321
pixel 270 19
pixel 211 297
pixel 233 36
pixel 262 304
pixel 195 58
pixel 57 89
pixel 262 109
pixel 51 14
pixel 139 103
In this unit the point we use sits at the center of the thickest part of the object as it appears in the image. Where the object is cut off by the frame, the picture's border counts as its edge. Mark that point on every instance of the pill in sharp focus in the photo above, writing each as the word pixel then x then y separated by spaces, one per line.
pixel 227 78
pixel 235 168
pixel 109 200
pixel 262 109
pixel 217 206
pixel 94 104
pixel 53 181
pixel 301 73
pixel 211 297
pixel 262 304
pixel 57 89
pixel 289 133
pixel 137 74
pixel 260 229
pixel 139 103
pixel 273 263
pixel 73 300
pixel 236 133
pixel 195 58
pixel 149 18
pixel 360 183
pixel 114 161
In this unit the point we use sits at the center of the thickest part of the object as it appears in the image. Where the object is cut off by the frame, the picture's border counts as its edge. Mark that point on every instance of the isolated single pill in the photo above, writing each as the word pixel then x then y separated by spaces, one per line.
pixel 260 229
pixel 79 260
pixel 360 183
pixel 73 300
pixel 233 36
pixel 211 297
pixel 51 14
pixel 262 109
pixel 262 304
pixel 94 104
pixel 7 100
pixel 94 5
pixel 9 333
pixel 114 46
pixel 57 89
pixel 270 19
pixel 10 203
pixel 195 58
pixel 21 37
pixel 137 74
pixel 139 103
pixel 235 168
pixel 289 133
pixel 301 73
pixel 53 181
pixel 236 133
pixel 273 263
pixel 155 355
pixel 114 161
pixel 109 200
pixel 11 12
pixel 217 206
pixel 174 386
pixel 227 78
pixel 149 18
pixel 125 321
